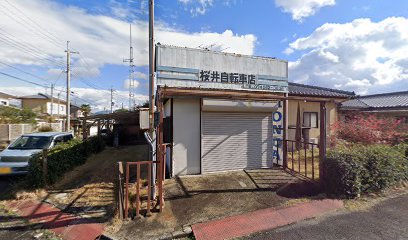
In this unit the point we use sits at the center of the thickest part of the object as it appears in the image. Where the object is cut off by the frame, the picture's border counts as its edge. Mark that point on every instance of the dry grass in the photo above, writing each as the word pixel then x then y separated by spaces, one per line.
pixel 310 161
pixel 366 202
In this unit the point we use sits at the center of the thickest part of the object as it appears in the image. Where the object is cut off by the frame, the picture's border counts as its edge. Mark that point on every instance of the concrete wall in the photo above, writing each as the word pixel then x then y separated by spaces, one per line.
pixel 331 115
pixel 186 136
pixel 10 132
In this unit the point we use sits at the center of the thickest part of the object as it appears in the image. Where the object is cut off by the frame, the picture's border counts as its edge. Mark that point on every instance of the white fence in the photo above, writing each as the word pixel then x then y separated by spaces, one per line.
pixel 9 132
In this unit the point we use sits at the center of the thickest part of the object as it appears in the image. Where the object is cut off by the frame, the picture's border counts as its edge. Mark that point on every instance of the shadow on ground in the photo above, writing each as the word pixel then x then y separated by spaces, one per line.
pixel 87 191
pixel 193 199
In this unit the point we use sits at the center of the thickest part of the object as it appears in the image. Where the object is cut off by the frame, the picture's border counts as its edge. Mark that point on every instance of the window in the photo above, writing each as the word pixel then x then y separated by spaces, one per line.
pixel 58 140
pixel 30 142
pixel 310 119
pixel 68 138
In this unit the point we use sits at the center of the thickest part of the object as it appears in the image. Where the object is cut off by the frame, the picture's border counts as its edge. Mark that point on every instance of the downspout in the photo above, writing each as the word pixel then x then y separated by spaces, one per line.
pixel 152 155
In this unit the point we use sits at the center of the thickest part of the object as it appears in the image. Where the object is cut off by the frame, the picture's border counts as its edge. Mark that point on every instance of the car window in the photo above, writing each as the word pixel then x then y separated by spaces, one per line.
pixel 30 142
pixel 58 140
pixel 68 138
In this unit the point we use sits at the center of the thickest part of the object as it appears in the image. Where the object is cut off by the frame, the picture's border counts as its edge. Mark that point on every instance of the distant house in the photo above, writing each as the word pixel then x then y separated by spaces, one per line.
pixel 76 112
pixel 5 99
pixel 394 104
pixel 42 104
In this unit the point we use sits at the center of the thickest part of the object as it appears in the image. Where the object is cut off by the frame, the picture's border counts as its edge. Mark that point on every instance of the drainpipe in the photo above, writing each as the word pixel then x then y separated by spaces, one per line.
pixel 152 155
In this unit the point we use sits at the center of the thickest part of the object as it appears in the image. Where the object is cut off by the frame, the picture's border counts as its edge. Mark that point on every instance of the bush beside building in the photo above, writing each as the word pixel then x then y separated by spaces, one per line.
pixel 62 159
pixel 352 170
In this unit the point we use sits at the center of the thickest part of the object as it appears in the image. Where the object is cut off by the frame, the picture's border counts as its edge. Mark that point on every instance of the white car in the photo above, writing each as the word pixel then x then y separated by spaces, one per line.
pixel 14 159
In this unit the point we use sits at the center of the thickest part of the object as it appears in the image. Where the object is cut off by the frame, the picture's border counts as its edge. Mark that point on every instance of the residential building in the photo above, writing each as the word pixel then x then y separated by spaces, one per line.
pixel 41 104
pixel 309 109
pixel 5 99
pixel 394 105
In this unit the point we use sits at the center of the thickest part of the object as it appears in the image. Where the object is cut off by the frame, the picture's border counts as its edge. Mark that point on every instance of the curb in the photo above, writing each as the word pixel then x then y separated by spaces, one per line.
pixel 263 220
pixel 185 232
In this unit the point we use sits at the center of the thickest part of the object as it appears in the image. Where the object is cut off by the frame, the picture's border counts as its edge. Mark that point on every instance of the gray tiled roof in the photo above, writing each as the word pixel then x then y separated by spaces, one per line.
pixel 378 101
pixel 308 90
pixel 41 96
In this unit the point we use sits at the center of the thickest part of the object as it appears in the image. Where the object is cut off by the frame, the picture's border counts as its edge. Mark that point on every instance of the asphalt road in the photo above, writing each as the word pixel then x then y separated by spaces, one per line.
pixel 387 220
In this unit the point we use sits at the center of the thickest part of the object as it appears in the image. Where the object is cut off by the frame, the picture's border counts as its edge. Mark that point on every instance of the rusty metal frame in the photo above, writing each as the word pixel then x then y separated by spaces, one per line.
pixel 304 160
pixel 126 195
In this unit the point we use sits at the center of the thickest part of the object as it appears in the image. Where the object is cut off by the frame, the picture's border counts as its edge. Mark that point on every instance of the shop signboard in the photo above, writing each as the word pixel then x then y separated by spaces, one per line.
pixel 196 68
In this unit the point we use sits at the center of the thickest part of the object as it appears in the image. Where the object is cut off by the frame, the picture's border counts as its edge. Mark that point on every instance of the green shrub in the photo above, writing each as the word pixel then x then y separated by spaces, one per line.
pixel 62 159
pixel 402 148
pixel 361 169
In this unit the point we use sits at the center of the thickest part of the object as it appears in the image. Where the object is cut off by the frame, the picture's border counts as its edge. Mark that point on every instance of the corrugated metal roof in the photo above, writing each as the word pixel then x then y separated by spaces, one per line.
pixel 378 101
pixel 308 90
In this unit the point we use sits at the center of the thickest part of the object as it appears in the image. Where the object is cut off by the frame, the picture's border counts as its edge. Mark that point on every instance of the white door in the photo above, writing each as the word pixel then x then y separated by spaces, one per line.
pixel 235 140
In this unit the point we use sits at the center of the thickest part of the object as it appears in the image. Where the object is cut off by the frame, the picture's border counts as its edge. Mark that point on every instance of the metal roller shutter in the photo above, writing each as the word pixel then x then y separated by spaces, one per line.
pixel 233 141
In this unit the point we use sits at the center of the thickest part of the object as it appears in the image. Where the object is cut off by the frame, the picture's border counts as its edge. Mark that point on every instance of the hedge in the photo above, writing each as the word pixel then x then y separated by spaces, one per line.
pixel 62 159
pixel 355 170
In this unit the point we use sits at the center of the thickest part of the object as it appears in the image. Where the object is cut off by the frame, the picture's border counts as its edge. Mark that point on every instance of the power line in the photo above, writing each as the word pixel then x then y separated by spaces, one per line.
pixel 27 81
pixel 25 23
pixel 54 37
pixel 29 49
pixel 23 71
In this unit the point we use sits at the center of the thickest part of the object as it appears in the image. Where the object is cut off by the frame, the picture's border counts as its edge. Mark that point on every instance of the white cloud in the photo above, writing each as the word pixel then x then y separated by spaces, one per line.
pixel 361 55
pixel 301 9
pixel 99 39
pixel 198 7
pixel 126 83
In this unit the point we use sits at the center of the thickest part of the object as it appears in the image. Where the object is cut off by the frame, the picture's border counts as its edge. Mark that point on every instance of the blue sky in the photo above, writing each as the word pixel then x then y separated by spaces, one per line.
pixel 359 46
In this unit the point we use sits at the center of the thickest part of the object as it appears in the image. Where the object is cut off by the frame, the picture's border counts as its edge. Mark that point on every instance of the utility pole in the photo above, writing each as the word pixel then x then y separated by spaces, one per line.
pixel 68 107
pixel 131 71
pixel 52 100
pixel 151 65
pixel 59 100
pixel 112 103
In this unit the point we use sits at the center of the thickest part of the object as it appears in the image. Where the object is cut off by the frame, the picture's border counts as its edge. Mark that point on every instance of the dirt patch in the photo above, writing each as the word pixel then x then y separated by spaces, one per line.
pixel 193 199
pixel 14 227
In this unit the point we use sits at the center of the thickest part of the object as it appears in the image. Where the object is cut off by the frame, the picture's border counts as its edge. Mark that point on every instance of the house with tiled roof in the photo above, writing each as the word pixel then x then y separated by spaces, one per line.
pixel 5 99
pixel 394 104
pixel 309 110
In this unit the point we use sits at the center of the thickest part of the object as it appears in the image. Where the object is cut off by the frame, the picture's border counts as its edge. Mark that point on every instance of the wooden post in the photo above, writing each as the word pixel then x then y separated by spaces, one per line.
pixel 285 132
pixel 99 128
pixel 45 165
pixel 120 197
pixel 161 154
pixel 322 141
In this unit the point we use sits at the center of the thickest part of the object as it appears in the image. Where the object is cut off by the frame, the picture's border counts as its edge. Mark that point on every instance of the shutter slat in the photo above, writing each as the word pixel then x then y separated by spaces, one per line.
pixel 233 141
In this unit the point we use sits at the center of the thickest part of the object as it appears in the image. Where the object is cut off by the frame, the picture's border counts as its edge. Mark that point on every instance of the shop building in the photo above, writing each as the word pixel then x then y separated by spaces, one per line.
pixel 220 111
